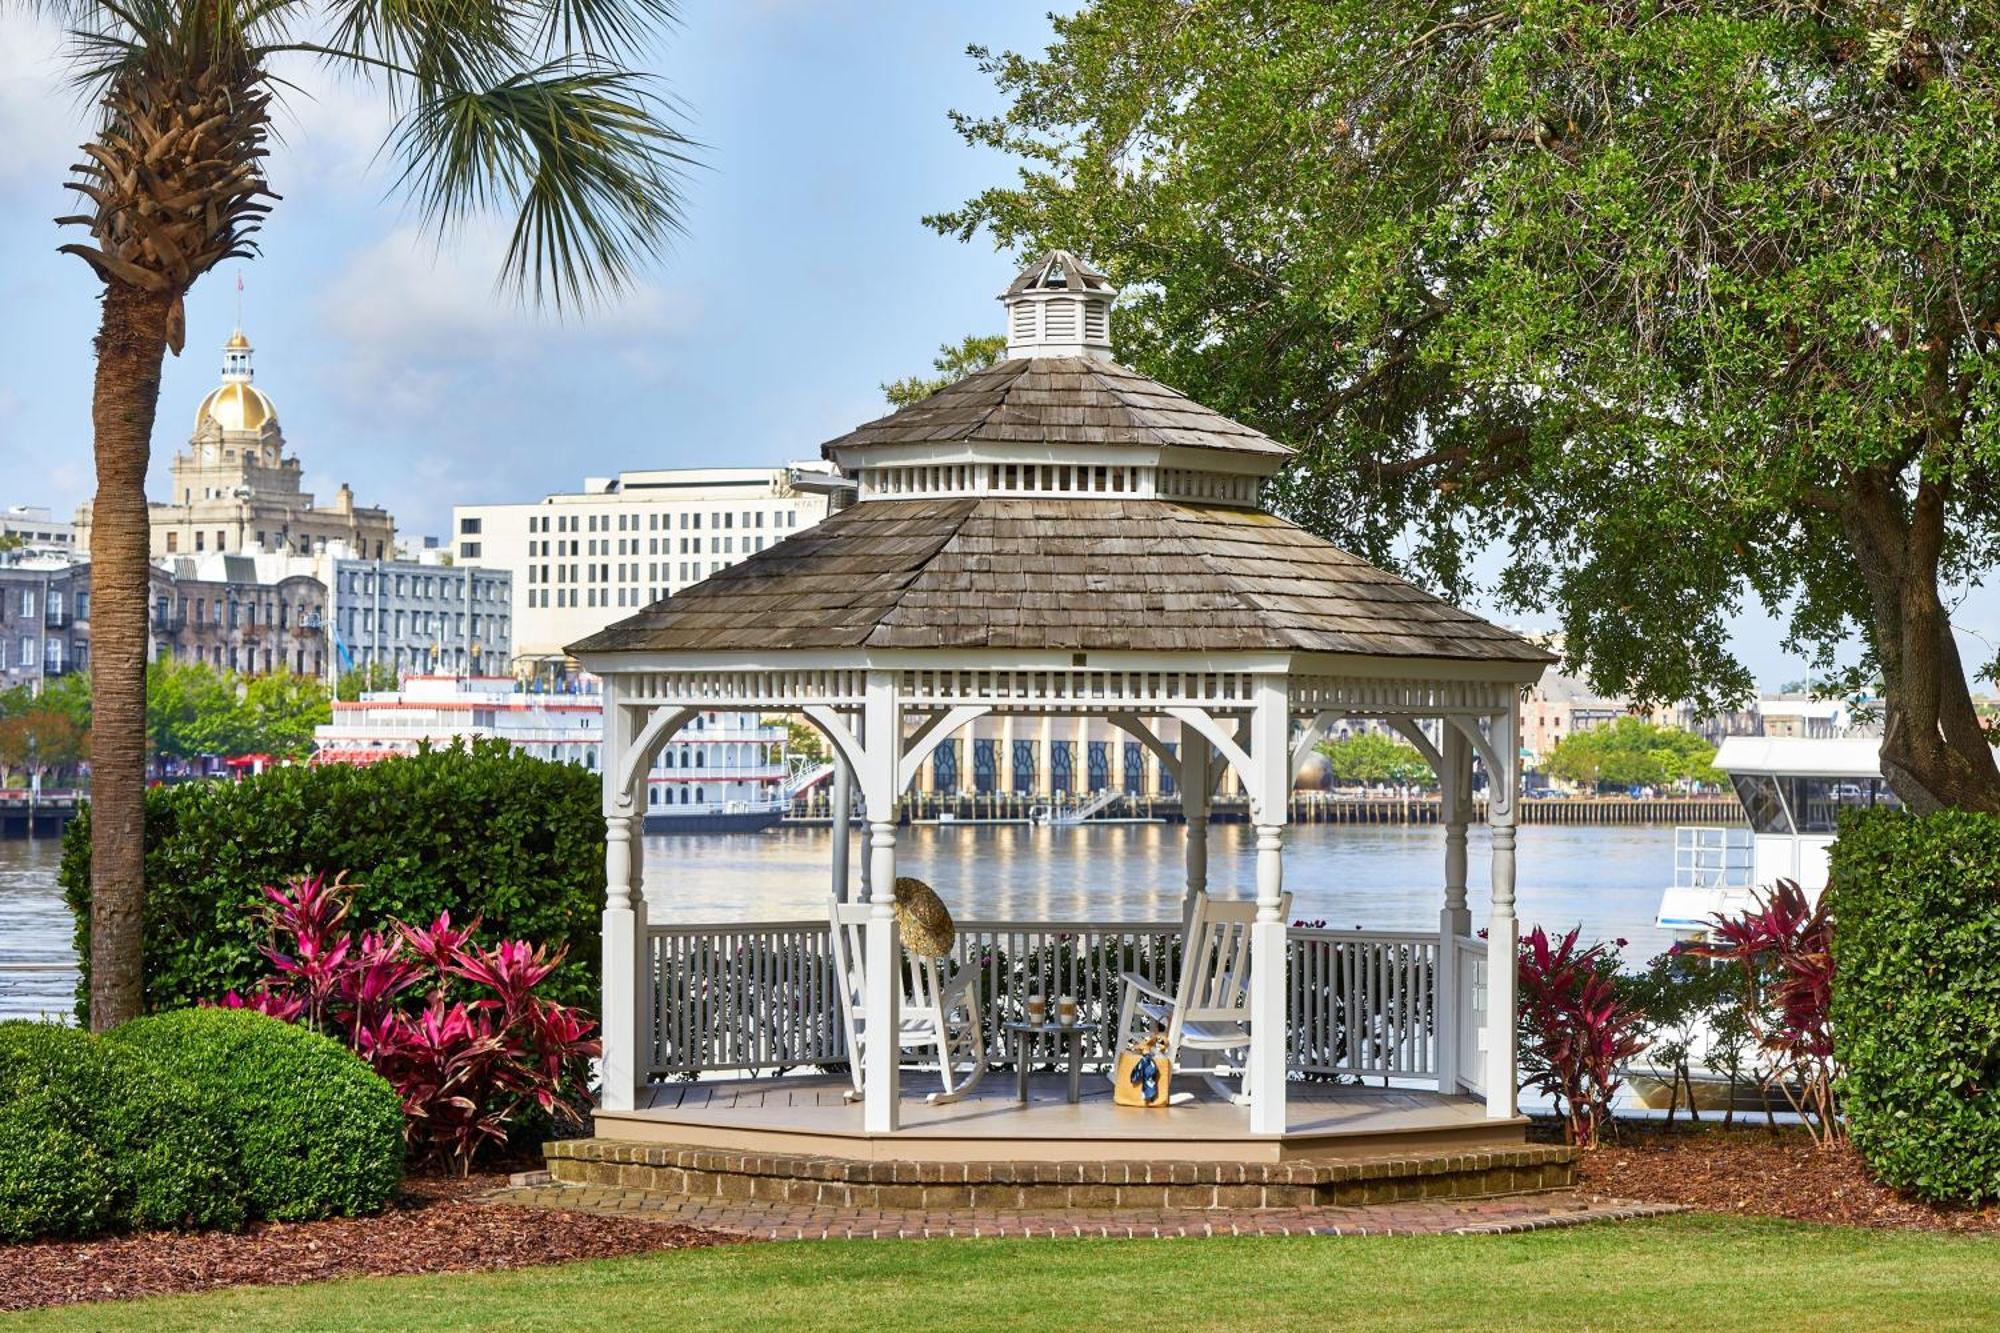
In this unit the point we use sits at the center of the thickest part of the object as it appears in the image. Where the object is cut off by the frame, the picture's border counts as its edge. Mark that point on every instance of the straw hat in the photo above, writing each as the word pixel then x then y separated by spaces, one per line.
pixel 921 918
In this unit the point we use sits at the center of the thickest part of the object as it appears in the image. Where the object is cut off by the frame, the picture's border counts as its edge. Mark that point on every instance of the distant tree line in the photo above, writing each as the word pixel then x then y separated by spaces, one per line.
pixel 193 711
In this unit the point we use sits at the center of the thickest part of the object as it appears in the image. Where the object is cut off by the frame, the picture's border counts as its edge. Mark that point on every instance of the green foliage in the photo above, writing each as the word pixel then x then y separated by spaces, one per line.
pixel 190 711
pixel 278 713
pixel 803 738
pixel 1681 305
pixel 1630 751
pixel 1372 757
pixel 1916 997
pixel 364 679
pixel 94 1137
pixel 318 1133
pixel 40 740
pixel 1683 1000
pixel 480 831
pixel 952 363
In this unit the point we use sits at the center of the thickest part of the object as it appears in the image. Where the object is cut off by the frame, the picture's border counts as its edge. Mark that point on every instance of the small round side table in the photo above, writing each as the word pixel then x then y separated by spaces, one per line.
pixel 1025 1035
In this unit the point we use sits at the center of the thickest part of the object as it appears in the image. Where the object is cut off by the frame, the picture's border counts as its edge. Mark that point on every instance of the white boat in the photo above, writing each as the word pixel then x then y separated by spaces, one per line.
pixel 724 772
pixel 1793 791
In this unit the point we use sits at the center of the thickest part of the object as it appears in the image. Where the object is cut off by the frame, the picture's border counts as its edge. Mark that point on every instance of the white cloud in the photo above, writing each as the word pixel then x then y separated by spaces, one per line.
pixel 330 126
pixel 410 313
pixel 42 118
pixel 464 384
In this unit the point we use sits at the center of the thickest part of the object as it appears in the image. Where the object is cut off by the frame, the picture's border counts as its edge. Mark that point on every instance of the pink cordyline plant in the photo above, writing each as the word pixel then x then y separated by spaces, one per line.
pixel 1785 947
pixel 1579 1032
pixel 456 1029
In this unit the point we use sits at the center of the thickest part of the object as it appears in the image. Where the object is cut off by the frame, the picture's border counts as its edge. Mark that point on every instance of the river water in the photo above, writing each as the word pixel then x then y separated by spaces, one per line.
pixel 1606 879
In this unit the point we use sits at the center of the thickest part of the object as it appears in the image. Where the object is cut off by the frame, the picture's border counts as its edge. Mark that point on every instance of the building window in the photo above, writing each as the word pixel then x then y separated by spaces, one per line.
pixel 173 542
pixel 468 527
pixel 200 541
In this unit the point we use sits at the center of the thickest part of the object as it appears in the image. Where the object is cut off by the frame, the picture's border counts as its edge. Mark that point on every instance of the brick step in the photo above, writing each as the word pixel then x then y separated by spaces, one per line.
pixel 692 1172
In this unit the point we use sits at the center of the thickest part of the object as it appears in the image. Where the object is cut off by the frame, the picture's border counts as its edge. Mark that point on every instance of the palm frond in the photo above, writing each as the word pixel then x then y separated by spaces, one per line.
pixel 603 27
pixel 578 147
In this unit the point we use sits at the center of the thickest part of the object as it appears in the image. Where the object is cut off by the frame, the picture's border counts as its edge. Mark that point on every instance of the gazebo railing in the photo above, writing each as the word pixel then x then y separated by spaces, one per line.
pixel 766 997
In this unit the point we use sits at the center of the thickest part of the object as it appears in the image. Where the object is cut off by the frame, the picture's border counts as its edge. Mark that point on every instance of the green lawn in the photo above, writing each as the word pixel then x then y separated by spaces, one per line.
pixel 1711 1273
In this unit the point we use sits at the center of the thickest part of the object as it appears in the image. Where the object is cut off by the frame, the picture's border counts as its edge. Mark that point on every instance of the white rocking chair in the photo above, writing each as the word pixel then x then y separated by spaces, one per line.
pixel 935 994
pixel 1209 1010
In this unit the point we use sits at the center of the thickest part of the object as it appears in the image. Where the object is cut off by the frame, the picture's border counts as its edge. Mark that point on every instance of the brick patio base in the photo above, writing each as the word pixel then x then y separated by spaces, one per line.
pixel 765 1220
pixel 696 1174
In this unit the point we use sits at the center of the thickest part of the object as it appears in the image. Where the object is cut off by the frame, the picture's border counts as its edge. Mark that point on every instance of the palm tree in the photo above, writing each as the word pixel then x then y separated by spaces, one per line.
pixel 526 106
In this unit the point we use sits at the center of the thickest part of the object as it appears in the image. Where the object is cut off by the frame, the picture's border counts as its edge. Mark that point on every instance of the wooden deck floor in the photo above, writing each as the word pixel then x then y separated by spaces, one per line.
pixel 809 1113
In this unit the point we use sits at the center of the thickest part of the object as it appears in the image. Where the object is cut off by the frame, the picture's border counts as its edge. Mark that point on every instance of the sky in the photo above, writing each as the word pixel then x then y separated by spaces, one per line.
pixel 805 279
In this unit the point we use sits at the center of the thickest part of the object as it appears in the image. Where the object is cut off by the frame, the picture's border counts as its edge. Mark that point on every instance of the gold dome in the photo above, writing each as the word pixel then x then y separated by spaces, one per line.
pixel 237 340
pixel 236 406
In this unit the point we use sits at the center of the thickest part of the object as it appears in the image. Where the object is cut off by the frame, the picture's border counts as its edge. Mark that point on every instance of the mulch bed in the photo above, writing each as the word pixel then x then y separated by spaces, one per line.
pixel 1749 1171
pixel 436 1226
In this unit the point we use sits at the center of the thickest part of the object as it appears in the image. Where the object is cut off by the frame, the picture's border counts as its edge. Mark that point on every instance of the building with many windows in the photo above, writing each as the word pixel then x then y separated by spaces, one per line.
pixel 421 616
pixel 236 489
pixel 44 622
pixel 253 614
pixel 582 559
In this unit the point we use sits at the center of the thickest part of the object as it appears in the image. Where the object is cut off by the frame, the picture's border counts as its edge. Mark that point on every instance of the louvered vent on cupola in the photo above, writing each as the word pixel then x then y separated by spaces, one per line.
pixel 1059 306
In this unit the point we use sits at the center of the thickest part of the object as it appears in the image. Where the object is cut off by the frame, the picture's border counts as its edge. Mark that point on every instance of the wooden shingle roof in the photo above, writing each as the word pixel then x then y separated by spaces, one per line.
pixel 1054 574
pixel 1060 400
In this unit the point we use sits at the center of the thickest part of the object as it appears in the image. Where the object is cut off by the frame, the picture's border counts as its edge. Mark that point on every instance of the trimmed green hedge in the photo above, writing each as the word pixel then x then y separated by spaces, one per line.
pixel 94 1137
pixel 480 831
pixel 318 1133
pixel 1916 997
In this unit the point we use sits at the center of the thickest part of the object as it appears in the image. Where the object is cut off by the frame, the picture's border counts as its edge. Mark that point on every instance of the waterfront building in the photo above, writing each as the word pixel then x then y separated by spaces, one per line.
pixel 44 621
pixel 725 770
pixel 253 613
pixel 235 488
pixel 582 559
pixel 30 533
pixel 420 615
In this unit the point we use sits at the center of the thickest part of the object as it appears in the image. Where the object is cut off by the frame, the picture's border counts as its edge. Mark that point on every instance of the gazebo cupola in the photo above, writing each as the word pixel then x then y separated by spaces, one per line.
pixel 1059 306
pixel 1059 419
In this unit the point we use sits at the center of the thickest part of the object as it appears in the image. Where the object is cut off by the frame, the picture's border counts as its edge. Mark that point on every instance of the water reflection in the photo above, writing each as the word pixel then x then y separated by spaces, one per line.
pixel 1387 877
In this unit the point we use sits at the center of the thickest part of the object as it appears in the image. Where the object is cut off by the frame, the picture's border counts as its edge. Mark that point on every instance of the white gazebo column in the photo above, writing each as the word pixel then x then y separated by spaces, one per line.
pixel 881 1070
pixel 1268 787
pixel 623 929
pixel 644 998
pixel 1503 932
pixel 840 806
pixel 1194 804
pixel 1454 918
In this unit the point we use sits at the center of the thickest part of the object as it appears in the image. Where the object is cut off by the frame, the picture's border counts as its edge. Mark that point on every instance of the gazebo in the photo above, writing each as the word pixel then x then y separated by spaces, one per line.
pixel 1058 534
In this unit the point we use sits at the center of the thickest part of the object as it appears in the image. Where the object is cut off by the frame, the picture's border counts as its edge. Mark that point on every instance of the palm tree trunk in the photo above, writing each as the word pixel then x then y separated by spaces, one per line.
pixel 131 342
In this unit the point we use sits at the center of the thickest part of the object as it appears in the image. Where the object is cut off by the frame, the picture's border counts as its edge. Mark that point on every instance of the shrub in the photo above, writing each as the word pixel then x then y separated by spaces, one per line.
pixel 1916 998
pixel 318 1133
pixel 1576 1029
pixel 1687 1004
pixel 462 1033
pixel 480 831
pixel 1784 950
pixel 93 1137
